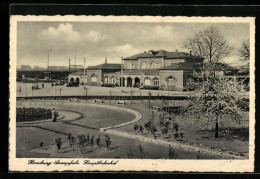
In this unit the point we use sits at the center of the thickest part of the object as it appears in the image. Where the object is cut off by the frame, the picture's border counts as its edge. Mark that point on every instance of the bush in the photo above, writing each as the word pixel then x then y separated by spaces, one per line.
pixel 32 114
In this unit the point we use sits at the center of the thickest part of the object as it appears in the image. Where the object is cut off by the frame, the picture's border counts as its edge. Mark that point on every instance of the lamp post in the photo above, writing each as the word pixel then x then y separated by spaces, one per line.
pixel 84 72
pixel 122 81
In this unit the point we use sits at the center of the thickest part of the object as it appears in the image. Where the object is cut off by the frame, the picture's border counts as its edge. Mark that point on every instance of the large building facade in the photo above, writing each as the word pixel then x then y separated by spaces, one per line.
pixel 149 70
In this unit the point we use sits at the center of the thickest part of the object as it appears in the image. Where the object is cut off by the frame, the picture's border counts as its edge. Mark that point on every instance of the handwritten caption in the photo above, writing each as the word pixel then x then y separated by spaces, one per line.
pixel 72 162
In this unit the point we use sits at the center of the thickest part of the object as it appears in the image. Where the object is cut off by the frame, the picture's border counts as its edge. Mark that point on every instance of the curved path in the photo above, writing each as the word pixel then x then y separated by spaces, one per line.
pixel 138 116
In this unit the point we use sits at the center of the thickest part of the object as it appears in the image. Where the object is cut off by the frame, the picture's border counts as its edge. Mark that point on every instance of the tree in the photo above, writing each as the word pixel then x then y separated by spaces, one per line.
pixel 218 99
pixel 58 143
pixel 136 127
pixel 209 44
pixel 244 51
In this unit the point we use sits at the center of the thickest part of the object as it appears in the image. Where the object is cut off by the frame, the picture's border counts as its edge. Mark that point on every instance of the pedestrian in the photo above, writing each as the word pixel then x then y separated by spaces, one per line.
pixel 53 113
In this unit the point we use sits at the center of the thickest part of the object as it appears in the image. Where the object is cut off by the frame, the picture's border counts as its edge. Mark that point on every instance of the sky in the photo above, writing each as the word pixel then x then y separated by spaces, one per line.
pixel 96 41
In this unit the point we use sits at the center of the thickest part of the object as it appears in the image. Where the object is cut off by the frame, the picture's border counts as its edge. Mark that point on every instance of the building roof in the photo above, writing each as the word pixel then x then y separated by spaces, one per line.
pixel 161 53
pixel 106 66
pixel 182 66
pixel 78 73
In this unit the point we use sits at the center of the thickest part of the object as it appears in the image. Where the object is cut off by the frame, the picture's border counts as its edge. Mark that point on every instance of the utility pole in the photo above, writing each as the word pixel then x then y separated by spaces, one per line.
pixel 84 73
pixel 48 58
pixel 152 116
pixel 86 94
pixel 60 94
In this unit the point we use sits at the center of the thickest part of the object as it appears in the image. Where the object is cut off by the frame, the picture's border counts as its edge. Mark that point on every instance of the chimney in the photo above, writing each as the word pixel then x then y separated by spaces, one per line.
pixel 106 60
pixel 176 50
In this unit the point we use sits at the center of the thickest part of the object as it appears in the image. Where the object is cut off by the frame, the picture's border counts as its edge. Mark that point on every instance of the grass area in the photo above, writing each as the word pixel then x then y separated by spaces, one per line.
pixel 236 141
pixel 232 136
pixel 28 145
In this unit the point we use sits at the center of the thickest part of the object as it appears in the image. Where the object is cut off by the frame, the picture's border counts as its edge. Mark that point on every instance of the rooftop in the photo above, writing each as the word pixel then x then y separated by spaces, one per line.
pixel 182 66
pixel 161 53
pixel 105 66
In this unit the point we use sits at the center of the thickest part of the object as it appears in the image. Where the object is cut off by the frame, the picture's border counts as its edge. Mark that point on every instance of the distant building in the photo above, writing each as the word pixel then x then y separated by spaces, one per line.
pixel 149 70
pixel 26 67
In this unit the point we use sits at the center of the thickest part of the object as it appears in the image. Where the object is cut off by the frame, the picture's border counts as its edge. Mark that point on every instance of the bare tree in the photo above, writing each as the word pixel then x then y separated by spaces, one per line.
pixel 244 51
pixel 209 44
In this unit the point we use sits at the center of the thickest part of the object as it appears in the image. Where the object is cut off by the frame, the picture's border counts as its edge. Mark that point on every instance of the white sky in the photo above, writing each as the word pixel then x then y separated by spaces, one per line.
pixel 97 40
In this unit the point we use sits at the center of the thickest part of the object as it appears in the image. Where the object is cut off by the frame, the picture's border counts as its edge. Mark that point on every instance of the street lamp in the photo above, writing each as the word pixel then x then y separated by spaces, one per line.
pixel 84 72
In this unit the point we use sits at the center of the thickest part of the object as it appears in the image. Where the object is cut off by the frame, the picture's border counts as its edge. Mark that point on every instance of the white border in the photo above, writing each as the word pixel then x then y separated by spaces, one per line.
pixel 20 164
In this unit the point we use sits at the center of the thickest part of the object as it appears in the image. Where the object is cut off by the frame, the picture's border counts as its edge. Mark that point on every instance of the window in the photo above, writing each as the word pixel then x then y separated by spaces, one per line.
pixel 113 80
pixel 93 78
pixel 156 82
pixel 147 82
pixel 157 65
pixel 143 65
pixel 171 80
pixel 106 80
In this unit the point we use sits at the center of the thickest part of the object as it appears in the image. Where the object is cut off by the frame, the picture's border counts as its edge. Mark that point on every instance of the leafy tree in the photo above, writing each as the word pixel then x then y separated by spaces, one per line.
pixel 58 143
pixel 165 131
pixel 216 100
pixel 136 127
pixel 98 141
pixel 141 129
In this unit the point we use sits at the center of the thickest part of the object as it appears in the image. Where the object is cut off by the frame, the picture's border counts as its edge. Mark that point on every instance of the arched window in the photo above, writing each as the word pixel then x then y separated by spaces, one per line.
pixel 93 78
pixel 147 81
pixel 171 80
pixel 106 80
pixel 156 82
pixel 113 80
pixel 143 65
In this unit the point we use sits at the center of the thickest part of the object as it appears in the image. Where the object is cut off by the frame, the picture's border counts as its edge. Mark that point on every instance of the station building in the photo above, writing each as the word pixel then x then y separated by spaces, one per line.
pixel 149 70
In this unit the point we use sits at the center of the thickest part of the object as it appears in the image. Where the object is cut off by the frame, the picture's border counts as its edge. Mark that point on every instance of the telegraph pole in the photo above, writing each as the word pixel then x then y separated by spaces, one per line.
pixel 122 81
pixel 84 72
pixel 48 58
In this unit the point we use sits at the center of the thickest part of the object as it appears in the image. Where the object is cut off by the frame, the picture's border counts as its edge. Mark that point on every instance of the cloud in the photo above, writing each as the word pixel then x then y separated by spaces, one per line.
pixel 94 36
pixel 63 32
pixel 125 50
pixel 158 32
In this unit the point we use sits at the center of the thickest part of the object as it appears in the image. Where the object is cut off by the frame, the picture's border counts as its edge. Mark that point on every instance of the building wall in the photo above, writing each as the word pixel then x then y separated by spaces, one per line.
pixel 150 63
pixel 110 75
pixel 98 74
pixel 130 64
pixel 177 74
